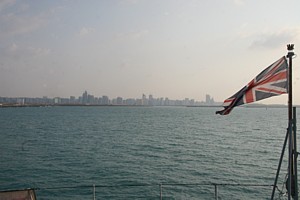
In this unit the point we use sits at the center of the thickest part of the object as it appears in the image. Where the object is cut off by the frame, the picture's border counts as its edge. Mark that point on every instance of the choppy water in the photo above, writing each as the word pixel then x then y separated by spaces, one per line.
pixel 52 147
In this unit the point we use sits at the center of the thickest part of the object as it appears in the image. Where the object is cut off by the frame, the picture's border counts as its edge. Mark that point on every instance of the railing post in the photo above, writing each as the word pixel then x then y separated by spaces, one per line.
pixel 160 186
pixel 94 191
pixel 216 191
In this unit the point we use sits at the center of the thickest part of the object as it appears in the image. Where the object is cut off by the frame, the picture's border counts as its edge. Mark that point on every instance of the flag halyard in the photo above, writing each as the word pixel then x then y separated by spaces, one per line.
pixel 270 82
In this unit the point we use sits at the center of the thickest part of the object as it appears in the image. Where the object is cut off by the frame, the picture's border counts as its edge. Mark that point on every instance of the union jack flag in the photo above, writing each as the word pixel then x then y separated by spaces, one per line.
pixel 270 82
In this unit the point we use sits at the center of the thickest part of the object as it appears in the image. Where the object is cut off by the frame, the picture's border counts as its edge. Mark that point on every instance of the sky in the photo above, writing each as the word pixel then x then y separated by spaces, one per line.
pixel 171 48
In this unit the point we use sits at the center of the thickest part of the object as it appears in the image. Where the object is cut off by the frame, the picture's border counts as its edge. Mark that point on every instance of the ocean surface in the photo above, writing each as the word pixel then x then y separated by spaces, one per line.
pixel 127 152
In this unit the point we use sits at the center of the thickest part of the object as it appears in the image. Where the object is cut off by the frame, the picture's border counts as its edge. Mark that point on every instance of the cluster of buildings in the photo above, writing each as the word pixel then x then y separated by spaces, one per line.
pixel 88 99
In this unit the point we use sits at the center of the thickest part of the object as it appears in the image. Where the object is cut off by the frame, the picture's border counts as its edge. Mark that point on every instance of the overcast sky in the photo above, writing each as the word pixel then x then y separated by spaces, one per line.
pixel 167 48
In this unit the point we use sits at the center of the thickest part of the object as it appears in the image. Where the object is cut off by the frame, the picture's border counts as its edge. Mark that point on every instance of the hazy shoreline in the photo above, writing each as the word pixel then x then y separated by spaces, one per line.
pixel 112 105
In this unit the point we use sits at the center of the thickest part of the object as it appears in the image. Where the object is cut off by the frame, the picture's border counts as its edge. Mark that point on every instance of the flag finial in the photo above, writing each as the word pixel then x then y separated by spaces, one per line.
pixel 290 47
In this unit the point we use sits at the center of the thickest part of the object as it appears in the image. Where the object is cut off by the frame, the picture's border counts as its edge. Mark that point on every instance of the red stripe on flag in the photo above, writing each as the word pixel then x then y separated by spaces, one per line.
pixel 280 76
pixel 249 97
pixel 271 91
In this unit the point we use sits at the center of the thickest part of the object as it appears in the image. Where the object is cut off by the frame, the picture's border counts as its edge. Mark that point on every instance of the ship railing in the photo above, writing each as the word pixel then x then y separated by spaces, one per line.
pixel 161 186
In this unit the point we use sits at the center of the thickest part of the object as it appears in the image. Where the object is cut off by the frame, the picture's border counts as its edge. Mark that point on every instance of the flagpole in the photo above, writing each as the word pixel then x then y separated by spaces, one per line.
pixel 290 48
pixel 291 173
pixel 295 152
pixel 291 187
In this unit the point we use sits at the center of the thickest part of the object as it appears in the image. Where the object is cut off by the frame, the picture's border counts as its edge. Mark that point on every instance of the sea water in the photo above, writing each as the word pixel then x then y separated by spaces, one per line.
pixel 141 152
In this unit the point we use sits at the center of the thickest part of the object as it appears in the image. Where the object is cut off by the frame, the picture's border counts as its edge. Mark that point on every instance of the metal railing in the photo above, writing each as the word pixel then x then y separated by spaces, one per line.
pixel 161 186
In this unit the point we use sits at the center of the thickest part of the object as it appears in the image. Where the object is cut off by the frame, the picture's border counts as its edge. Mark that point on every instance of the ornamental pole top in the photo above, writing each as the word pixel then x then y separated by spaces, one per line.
pixel 290 48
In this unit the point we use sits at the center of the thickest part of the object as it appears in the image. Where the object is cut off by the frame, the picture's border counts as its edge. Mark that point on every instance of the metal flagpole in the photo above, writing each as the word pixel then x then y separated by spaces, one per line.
pixel 295 152
pixel 292 164
pixel 291 172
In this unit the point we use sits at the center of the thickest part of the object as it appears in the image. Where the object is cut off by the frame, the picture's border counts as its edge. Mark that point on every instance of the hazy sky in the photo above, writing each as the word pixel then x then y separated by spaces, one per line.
pixel 168 48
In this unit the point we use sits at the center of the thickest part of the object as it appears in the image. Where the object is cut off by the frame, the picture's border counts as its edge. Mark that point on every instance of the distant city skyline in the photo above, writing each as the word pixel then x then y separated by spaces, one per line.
pixel 90 99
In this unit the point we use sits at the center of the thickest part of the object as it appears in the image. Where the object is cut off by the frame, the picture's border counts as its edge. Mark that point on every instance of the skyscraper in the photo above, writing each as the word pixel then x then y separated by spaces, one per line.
pixel 151 100
pixel 85 97
pixel 105 100
pixel 144 100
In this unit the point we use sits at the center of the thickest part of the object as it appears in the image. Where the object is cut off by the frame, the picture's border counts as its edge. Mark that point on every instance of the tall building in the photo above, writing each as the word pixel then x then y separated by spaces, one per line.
pixel 105 100
pixel 144 100
pixel 139 102
pixel 85 97
pixel 209 100
pixel 119 100
pixel 186 102
pixel 130 102
pixel 72 99
pixel 151 100
pixel 57 100
pixel 166 102
pixel 90 99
